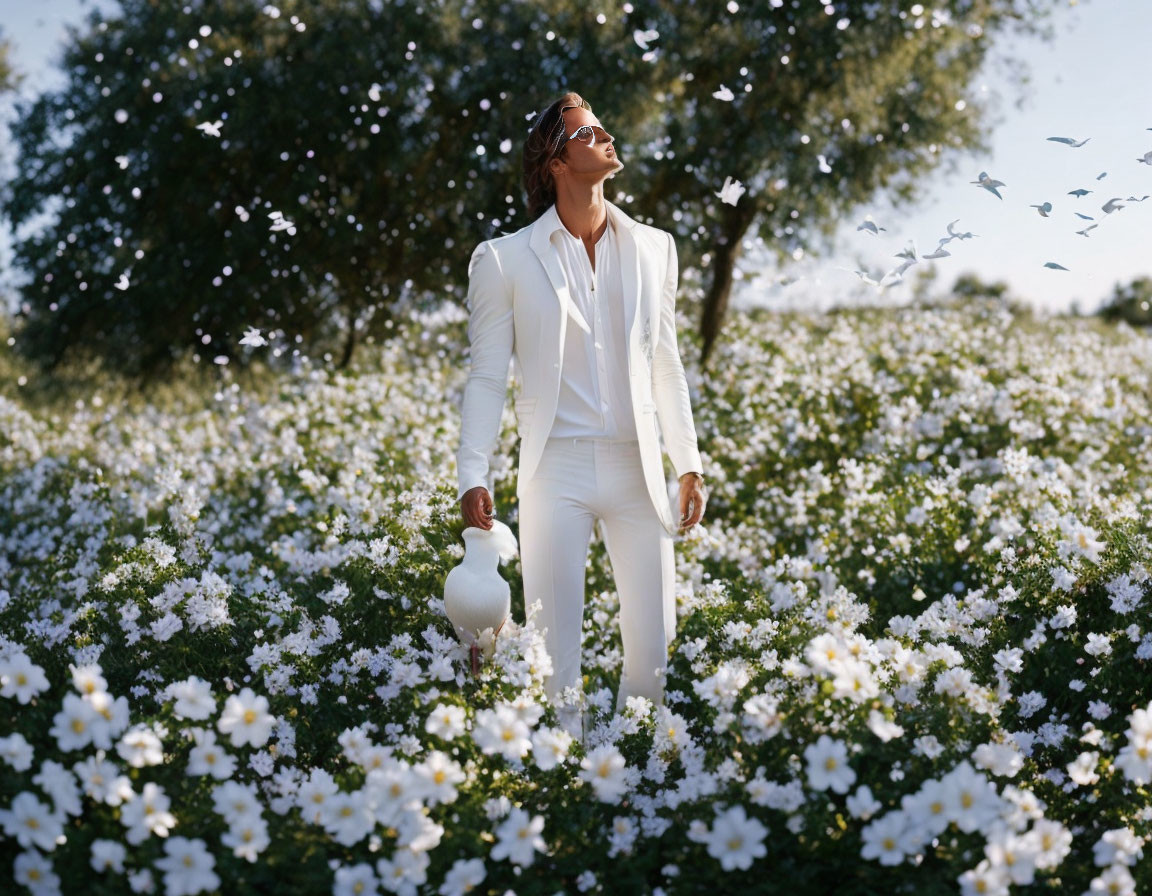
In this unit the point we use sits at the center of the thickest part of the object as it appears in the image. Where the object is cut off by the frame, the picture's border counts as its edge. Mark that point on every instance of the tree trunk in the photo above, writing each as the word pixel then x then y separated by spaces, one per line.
pixel 349 343
pixel 728 249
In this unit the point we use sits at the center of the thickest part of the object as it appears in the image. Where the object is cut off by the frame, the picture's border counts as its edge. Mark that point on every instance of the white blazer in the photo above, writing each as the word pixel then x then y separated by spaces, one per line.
pixel 519 308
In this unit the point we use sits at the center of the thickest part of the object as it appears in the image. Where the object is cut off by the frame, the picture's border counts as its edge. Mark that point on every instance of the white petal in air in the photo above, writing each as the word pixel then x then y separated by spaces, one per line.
pixel 724 94
pixel 731 191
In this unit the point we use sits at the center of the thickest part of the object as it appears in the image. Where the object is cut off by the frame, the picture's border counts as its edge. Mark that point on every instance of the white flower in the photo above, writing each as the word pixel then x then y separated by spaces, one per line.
pixel 828 765
pixel 883 727
pixel 971 799
pixel 463 877
pixel 927 810
pixel 208 757
pixel 108 855
pixel 147 813
pixel 58 782
pixel 313 795
pixel 604 768
pixel 1082 769
pixel 518 838
pixel 247 838
pixel 193 698
pixel 75 724
pixel 245 719
pixel 1052 840
pixel 1098 645
pixel 1014 855
pixel 862 804
pixel 35 872
pixel 347 817
pixel 440 774
pixel 88 679
pixel 735 839
pixel 985 879
pixel 236 803
pixel 188 867
pixel 1135 761
pixel 1119 846
pixel 140 746
pixel 31 822
pixel 550 747
pixel 883 838
pixel 21 678
pixel 501 731
pixel 762 716
pixel 356 880
pixel 1115 881
pixel 1000 759
pixel 102 780
pixel 403 872
pixel 16 751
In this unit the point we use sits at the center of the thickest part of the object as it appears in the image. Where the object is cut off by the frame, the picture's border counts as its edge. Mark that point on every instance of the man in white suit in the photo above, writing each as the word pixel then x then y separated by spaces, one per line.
pixel 583 302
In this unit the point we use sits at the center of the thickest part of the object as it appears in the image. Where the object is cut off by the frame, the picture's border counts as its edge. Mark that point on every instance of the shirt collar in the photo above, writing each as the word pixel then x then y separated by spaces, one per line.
pixel 553 225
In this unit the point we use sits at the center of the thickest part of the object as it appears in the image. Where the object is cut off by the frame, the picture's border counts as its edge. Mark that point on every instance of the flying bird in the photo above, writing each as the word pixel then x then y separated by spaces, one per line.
pixel 1111 205
pixel 960 236
pixel 939 253
pixel 871 226
pixel 1134 199
pixel 643 37
pixel 908 253
pixel 1044 209
pixel 1085 217
pixel 1054 266
pixel 1069 141
pixel 1084 232
pixel 1101 175
pixel 731 191
pixel 989 184
pixel 1146 159
pixel 210 128
pixel 1078 193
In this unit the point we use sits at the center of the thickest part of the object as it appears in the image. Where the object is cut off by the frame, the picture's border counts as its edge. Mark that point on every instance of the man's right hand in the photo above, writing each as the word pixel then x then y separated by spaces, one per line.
pixel 477 507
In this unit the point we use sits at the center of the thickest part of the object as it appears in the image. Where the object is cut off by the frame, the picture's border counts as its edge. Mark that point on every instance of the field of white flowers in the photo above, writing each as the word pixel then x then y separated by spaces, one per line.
pixel 914 651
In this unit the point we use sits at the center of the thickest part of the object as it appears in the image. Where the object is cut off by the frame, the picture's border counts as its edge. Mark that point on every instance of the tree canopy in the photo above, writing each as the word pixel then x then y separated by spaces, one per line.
pixel 363 148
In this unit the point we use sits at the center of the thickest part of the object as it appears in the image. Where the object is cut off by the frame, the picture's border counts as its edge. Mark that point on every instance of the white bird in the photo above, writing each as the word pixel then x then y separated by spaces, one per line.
pixel 1054 266
pixel 643 37
pixel 1070 141
pixel 724 94
pixel 122 283
pixel 1078 193
pixel 989 184
pixel 731 191
pixel 476 597
pixel 863 276
pixel 960 236
pixel 1084 232
pixel 1044 209
pixel 252 337
pixel 1134 199
pixel 1146 159
pixel 908 253
pixel 1084 217
pixel 1111 205
pixel 870 226
pixel 939 253
pixel 1101 175
pixel 211 128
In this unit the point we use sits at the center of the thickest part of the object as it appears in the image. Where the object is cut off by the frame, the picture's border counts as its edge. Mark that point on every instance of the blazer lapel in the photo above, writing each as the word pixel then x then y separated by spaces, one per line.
pixel 629 271
pixel 550 259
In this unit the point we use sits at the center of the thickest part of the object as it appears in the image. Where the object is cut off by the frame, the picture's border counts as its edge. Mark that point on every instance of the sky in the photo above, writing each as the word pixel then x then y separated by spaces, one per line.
pixel 1089 81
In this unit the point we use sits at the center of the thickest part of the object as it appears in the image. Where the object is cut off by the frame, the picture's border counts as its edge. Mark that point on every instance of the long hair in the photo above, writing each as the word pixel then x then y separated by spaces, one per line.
pixel 546 142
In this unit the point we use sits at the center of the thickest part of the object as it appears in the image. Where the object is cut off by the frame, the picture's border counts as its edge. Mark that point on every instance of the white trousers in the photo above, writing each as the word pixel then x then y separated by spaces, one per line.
pixel 580 481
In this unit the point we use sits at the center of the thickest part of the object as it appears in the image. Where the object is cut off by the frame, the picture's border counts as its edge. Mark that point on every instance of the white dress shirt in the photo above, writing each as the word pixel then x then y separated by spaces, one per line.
pixel 595 398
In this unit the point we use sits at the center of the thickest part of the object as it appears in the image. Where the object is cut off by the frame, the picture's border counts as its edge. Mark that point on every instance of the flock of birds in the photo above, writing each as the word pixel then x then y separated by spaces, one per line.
pixel 985 182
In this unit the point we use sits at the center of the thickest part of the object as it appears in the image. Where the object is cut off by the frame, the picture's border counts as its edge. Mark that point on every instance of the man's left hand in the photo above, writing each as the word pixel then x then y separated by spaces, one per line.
pixel 691 500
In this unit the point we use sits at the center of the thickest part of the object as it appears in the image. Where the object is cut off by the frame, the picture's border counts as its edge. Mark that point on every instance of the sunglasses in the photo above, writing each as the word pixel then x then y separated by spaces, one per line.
pixel 588 134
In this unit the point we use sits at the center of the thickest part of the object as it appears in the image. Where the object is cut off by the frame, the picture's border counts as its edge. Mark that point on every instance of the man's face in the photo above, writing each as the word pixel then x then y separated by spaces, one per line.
pixel 582 161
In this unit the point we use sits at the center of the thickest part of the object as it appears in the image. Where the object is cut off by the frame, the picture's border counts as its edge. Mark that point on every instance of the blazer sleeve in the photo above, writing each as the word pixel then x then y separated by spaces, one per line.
pixel 490 334
pixel 669 384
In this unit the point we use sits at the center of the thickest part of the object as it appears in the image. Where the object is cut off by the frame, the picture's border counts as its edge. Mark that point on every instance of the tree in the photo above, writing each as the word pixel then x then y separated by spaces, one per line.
pixel 878 89
pixel 1131 303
